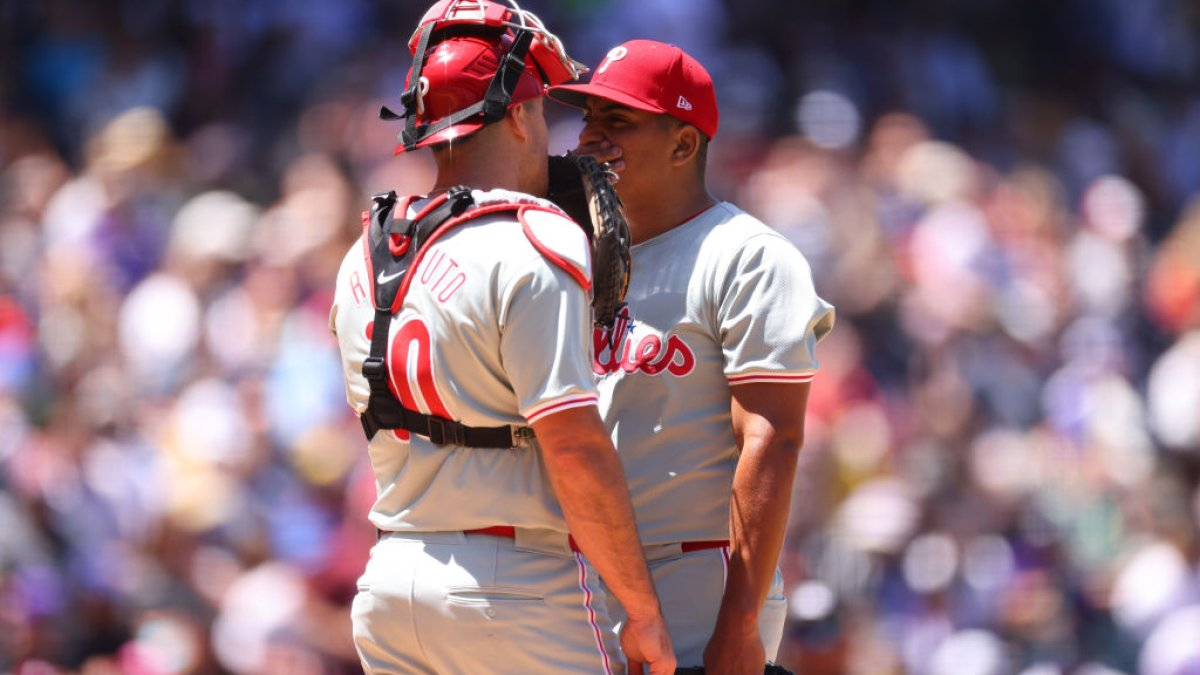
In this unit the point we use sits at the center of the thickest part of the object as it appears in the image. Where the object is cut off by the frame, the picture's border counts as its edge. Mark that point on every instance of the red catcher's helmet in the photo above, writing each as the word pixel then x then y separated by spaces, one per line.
pixel 472 60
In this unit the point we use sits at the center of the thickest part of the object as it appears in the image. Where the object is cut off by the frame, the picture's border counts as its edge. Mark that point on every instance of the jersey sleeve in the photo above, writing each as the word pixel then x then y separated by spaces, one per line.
pixel 770 316
pixel 348 315
pixel 545 343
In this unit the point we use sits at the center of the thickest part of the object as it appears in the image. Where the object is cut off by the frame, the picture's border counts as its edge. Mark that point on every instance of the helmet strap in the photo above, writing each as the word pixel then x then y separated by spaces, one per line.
pixel 508 75
pixel 409 97
pixel 494 105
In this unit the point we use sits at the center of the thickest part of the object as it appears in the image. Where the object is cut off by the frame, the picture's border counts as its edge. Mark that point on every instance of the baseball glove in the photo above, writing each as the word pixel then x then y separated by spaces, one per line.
pixel 583 188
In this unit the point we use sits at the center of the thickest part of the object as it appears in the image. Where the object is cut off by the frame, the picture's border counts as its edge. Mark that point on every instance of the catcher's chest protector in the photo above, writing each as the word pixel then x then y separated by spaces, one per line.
pixel 391 247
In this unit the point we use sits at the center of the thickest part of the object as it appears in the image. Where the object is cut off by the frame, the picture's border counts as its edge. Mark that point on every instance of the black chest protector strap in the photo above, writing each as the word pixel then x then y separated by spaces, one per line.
pixel 392 245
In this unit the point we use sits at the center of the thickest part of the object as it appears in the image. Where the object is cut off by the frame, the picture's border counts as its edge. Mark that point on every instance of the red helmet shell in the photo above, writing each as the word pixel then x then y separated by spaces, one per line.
pixel 457 70
pixel 456 75
pixel 547 50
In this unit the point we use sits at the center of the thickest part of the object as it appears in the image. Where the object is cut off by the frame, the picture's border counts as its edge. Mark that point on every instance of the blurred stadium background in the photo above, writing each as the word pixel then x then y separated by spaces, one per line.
pixel 1000 196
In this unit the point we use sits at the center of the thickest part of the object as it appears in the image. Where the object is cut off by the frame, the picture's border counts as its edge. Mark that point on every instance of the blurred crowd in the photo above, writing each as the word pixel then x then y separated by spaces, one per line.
pixel 1002 198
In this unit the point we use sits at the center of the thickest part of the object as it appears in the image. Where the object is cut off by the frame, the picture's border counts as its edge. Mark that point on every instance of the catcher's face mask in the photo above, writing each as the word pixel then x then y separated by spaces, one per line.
pixel 472 60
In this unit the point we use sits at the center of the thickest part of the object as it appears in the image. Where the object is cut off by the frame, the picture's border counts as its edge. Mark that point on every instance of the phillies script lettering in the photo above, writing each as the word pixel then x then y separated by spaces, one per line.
pixel 618 349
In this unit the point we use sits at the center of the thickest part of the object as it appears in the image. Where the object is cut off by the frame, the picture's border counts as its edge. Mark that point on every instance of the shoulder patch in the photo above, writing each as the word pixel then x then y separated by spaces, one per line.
pixel 560 240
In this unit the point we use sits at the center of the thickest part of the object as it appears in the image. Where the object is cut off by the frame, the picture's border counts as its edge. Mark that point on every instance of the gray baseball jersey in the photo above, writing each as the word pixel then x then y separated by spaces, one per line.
pixel 490 333
pixel 719 301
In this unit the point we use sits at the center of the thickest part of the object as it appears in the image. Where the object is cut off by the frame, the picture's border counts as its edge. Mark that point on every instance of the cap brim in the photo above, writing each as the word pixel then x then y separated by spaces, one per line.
pixel 448 134
pixel 576 95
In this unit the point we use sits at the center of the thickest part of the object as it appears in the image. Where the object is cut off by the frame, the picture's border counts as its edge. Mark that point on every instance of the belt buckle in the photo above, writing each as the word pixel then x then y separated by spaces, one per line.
pixel 521 436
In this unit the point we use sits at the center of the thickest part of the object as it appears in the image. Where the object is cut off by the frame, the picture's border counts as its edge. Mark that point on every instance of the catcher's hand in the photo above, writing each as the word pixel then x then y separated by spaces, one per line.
pixel 583 188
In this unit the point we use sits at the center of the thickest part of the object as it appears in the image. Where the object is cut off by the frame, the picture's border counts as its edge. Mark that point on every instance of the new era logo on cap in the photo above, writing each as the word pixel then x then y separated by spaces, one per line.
pixel 651 76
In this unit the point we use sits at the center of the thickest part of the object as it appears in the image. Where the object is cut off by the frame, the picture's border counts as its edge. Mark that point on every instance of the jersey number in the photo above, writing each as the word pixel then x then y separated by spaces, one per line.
pixel 410 369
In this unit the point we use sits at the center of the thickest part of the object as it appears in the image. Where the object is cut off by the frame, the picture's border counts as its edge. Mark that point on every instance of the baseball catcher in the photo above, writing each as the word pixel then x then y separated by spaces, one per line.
pixel 462 317
pixel 583 188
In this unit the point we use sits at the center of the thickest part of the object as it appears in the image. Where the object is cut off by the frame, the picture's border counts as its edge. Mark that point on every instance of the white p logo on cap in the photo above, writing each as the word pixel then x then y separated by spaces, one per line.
pixel 614 54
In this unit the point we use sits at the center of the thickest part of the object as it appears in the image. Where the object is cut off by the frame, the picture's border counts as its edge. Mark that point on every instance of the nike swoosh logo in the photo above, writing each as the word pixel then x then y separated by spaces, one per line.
pixel 384 278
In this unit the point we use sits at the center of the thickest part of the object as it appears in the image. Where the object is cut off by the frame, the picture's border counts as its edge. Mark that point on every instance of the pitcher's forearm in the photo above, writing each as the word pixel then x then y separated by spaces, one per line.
pixel 768 425
pixel 759 510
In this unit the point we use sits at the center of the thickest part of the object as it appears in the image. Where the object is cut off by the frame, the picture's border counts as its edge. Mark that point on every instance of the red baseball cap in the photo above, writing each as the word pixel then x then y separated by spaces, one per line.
pixel 651 76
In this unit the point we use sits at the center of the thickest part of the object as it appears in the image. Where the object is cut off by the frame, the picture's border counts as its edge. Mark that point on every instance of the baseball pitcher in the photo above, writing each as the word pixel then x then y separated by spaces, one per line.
pixel 705 373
